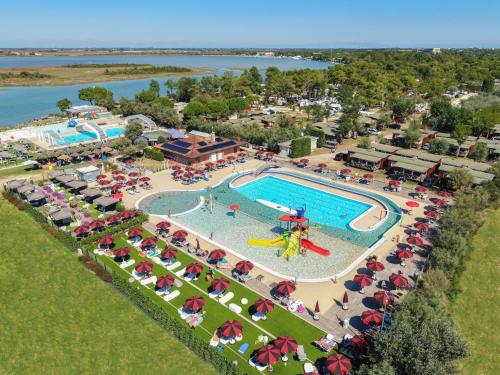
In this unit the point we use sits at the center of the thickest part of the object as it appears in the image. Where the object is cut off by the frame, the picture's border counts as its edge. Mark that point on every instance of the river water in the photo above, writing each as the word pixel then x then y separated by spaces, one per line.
pixel 19 104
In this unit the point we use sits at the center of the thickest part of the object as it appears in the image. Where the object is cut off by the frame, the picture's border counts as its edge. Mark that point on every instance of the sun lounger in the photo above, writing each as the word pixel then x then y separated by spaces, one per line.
pixel 149 280
pixel 157 260
pixel 226 298
pixel 309 368
pixel 215 294
pixel 171 296
pixel 214 341
pixel 127 264
pixel 181 272
pixel 161 292
pixel 301 354
pixel 256 365
pixel 243 348
pixel 174 266
pixel 235 308
pixel 137 275
pixel 178 283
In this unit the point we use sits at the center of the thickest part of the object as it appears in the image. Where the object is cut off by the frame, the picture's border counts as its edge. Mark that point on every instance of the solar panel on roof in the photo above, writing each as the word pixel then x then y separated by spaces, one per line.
pixel 202 143
pixel 172 147
pixel 181 143
pixel 219 139
pixel 216 146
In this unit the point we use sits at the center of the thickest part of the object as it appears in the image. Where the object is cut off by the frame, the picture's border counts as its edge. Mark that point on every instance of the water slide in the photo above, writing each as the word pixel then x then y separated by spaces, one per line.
pixel 305 243
pixel 278 241
pixel 292 247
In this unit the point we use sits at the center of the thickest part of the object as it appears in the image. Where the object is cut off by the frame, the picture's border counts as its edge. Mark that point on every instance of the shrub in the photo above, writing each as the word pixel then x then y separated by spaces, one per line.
pixel 300 147
pixel 154 154
pixel 320 134
pixel 110 230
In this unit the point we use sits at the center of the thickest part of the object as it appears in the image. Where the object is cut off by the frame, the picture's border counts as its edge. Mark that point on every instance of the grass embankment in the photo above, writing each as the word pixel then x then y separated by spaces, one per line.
pixel 87 73
pixel 476 309
pixel 58 318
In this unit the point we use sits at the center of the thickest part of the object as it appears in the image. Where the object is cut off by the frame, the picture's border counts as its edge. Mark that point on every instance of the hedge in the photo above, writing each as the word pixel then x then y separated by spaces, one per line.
pixel 184 334
pixel 300 147
pixel 320 134
pixel 154 154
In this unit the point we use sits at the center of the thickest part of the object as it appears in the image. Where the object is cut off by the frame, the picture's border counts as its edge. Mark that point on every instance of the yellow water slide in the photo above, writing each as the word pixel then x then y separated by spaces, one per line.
pixel 292 247
pixel 278 241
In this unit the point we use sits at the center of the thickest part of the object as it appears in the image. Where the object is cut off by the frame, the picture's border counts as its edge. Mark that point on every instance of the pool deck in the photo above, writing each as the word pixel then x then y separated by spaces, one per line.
pixel 327 293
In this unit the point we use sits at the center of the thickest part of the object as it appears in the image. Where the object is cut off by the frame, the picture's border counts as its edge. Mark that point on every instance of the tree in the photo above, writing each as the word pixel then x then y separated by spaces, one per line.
pixel 460 178
pixel 171 85
pixel 383 368
pixel 412 133
pixel 145 96
pixel 187 87
pixel 236 104
pixel 401 108
pixel 365 142
pixel 195 108
pixel 97 95
pixel 481 151
pixel 154 86
pixel 460 134
pixel 345 127
pixel 133 130
pixel 218 108
pixel 439 146
pixel 283 121
pixel 63 104
pixel 488 84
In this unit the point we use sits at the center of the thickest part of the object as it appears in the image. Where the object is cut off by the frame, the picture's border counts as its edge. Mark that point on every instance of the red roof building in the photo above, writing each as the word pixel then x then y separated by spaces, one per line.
pixel 199 148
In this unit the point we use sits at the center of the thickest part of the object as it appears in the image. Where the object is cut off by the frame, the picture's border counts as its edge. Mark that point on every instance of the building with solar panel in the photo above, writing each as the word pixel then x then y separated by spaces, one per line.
pixel 199 147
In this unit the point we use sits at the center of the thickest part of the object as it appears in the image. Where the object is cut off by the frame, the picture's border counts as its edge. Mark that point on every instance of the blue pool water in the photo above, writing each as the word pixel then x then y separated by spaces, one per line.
pixel 88 136
pixel 321 207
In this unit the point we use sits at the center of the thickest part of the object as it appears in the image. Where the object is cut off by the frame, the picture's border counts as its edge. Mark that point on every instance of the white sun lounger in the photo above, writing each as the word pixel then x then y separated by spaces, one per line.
pixel 149 280
pixel 215 295
pixel 127 264
pixel 226 298
pixel 235 308
pixel 171 296
pixel 174 266
pixel 157 260
pixel 181 272
pixel 136 275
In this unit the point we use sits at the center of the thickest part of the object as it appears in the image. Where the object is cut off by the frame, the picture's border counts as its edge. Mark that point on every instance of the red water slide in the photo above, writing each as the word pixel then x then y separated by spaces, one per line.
pixel 305 243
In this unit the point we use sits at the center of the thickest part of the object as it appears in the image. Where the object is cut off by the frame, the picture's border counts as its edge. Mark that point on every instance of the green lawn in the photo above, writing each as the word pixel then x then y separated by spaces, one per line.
pixel 58 318
pixel 279 322
pixel 476 310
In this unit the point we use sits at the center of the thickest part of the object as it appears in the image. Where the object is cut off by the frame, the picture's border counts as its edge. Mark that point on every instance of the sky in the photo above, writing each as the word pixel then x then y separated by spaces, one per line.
pixel 251 23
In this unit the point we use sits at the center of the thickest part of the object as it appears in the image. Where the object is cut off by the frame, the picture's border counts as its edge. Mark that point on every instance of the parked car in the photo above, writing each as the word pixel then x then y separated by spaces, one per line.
pixel 340 156
pixel 373 131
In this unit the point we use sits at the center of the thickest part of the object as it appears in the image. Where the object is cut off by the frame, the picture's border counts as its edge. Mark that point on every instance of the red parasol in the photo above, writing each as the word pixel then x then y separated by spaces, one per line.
pixel 100 177
pixel 432 214
pixel 412 204
pixel 394 182
pixel 270 154
pixel 148 242
pixel 404 254
pixel 234 207
pixel 144 179
pixel 345 171
pixel 444 194
pixel 286 344
pixel 304 161
pixel 268 355
pixel 164 281
pixel 413 240
pixel 371 317
pixel 117 171
pixel 230 329
pixel 285 288
pixel 398 280
pixel 231 157
pixel 96 224
pixel 144 267
pixel 316 307
pixel 338 364
pixel 264 306
pixel 220 284
pixel 121 252
pixel 194 269
pixel 217 254
pixel 244 266
pixel 322 165
pixel 242 154
pixel 221 161
pixel 104 182
pixel 129 161
pixel 359 342
pixel 131 183
pixel 134 232
pixel 194 303
pixel 113 219
pixel 168 253
pixel 368 176
pixel 209 165
pixel 383 297
pixel 128 214
pixel 180 235
pixel 163 225
pixel 423 227
pixel 119 177
pixel 421 189
pixel 106 240
pixel 375 266
pixel 116 187
pixel 82 229
pixel 440 203
pixel 345 299
pixel 134 174
pixel 363 280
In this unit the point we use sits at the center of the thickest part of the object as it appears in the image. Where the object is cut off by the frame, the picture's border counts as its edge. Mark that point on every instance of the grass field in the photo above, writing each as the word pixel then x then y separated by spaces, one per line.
pixel 58 318
pixel 280 321
pixel 476 310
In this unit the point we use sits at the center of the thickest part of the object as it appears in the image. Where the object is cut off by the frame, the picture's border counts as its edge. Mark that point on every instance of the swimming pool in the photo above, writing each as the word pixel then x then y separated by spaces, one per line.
pixel 85 136
pixel 321 207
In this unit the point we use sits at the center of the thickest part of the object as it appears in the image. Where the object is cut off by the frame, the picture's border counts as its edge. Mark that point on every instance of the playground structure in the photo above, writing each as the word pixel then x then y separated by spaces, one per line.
pixel 291 242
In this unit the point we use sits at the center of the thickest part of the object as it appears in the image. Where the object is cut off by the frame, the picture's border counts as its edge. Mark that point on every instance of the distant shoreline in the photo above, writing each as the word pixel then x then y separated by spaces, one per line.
pixel 66 75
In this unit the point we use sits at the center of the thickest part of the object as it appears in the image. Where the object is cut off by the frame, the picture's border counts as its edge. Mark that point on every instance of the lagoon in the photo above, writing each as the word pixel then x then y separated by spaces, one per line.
pixel 18 104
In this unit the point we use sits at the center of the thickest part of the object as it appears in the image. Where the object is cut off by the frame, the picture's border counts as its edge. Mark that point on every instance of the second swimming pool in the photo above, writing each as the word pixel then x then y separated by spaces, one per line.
pixel 321 207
